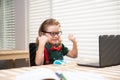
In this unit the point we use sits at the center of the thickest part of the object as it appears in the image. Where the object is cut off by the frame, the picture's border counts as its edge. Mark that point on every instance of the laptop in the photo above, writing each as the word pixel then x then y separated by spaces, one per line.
pixel 109 52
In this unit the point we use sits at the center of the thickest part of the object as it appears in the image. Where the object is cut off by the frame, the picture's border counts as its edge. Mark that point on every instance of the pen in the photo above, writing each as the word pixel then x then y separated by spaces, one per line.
pixel 61 76
pixel 58 75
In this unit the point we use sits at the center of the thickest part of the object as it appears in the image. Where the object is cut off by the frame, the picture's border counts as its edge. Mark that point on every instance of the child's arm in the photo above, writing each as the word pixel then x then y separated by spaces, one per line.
pixel 74 52
pixel 39 59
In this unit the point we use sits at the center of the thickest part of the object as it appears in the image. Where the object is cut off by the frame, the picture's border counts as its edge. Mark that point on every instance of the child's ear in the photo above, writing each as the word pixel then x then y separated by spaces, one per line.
pixel 37 41
pixel 41 33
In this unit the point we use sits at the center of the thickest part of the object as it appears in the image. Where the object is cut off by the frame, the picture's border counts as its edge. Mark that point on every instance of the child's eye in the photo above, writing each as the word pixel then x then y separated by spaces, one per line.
pixel 56 33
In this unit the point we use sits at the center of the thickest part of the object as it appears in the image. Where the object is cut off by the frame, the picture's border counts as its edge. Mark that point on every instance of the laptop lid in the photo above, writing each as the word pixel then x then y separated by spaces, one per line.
pixel 109 51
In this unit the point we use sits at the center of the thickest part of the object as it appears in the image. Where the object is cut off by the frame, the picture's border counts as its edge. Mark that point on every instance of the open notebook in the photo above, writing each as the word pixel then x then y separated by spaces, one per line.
pixel 109 51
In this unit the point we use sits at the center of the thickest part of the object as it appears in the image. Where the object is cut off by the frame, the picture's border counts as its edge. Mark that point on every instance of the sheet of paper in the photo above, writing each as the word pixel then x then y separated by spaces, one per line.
pixel 79 75
pixel 38 74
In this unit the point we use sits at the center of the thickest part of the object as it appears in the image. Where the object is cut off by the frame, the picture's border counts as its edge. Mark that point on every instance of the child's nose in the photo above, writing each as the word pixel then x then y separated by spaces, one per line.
pixel 56 35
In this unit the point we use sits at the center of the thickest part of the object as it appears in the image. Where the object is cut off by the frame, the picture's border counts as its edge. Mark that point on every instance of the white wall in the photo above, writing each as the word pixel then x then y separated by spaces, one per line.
pixel 20 24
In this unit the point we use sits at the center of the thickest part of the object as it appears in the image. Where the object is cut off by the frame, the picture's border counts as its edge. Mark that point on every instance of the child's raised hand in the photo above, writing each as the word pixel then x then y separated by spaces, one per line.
pixel 72 38
pixel 43 39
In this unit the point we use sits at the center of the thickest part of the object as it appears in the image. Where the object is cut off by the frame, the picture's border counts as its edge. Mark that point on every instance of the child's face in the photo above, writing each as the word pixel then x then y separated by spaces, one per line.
pixel 53 33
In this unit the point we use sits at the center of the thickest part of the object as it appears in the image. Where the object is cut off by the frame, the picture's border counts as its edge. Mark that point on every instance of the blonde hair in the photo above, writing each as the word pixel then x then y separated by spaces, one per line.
pixel 47 23
pixel 44 25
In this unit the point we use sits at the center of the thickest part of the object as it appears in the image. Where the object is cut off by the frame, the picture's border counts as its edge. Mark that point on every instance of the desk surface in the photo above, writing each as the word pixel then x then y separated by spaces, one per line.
pixel 109 73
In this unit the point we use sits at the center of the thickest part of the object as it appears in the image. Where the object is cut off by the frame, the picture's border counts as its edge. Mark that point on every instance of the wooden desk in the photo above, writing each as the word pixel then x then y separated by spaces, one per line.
pixel 13 54
pixel 16 56
pixel 109 73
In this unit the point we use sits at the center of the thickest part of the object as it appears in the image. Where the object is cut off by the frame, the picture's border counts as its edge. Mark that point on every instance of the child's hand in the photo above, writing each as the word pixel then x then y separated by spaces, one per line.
pixel 43 39
pixel 72 38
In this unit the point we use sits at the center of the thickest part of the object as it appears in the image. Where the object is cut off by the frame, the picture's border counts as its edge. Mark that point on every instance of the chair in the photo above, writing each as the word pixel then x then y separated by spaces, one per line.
pixel 32 52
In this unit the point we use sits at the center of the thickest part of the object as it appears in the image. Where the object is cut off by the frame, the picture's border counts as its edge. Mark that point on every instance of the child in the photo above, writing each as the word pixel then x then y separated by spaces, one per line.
pixel 50 46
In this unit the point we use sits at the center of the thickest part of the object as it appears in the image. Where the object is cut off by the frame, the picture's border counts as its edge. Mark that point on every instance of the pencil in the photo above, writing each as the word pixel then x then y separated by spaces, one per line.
pixel 63 77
